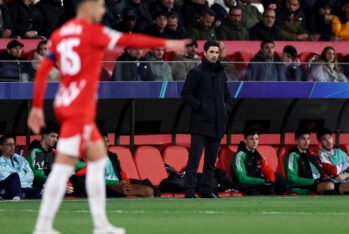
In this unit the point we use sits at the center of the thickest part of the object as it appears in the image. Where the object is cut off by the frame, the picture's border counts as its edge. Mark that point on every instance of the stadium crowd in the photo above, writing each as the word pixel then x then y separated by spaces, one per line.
pixel 223 20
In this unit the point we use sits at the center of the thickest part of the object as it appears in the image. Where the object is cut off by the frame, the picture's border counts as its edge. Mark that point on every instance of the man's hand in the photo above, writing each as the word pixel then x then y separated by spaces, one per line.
pixel 36 120
pixel 179 46
pixel 303 37
pixel 342 177
pixel 125 187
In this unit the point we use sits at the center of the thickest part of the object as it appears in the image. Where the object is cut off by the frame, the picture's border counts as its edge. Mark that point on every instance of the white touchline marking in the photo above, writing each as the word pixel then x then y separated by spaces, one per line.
pixel 205 212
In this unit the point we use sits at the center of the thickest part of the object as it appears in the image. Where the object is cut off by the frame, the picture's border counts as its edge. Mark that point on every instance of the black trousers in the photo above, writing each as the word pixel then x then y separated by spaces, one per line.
pixel 198 143
pixel 11 187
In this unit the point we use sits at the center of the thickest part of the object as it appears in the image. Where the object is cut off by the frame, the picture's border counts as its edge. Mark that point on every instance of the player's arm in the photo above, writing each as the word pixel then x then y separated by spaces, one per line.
pixel 292 171
pixel 239 169
pixel 110 39
pixel 144 41
pixel 36 116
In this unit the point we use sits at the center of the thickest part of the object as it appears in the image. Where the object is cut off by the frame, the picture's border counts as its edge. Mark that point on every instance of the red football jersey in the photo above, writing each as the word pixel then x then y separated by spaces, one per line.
pixel 78 48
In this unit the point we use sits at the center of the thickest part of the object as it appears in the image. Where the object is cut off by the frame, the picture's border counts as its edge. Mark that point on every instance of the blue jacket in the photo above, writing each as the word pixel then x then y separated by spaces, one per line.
pixel 17 164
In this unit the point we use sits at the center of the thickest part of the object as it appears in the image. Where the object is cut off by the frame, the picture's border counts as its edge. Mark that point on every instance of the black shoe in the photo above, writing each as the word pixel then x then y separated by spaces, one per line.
pixel 209 195
pixel 189 195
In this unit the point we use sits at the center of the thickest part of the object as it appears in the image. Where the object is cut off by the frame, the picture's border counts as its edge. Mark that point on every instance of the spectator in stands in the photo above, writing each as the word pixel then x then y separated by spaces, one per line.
pixel 6 26
pixel 159 25
pixel 232 28
pixel 41 155
pixel 159 28
pixel 131 66
pixel 192 11
pixel 27 19
pixel 114 10
pixel 265 69
pixel 169 7
pixel 182 64
pixel 206 29
pixel 320 20
pixel 13 67
pixel 303 170
pixel 210 102
pixel 174 31
pixel 290 20
pixel 265 29
pixel 52 11
pixel 221 8
pixel 334 161
pixel 291 69
pixel 327 68
pixel 144 18
pixel 16 176
pixel 340 22
pixel 250 14
pixel 128 22
pixel 160 69
pixel 251 171
pixel 228 63
pixel 39 55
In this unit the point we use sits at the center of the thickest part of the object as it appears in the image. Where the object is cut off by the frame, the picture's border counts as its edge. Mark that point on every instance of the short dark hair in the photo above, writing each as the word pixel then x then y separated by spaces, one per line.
pixel 266 42
pixel 5 137
pixel 208 12
pixel 322 132
pixel 44 42
pixel 234 8
pixel 78 2
pixel 172 15
pixel 250 132
pixel 301 131
pixel 210 43
pixel 50 127
pixel 160 13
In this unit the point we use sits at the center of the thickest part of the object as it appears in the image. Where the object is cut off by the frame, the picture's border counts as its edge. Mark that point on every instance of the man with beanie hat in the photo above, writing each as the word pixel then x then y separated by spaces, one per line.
pixel 334 161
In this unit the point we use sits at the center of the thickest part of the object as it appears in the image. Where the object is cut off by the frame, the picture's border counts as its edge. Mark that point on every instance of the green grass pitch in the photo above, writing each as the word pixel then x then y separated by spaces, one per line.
pixel 301 214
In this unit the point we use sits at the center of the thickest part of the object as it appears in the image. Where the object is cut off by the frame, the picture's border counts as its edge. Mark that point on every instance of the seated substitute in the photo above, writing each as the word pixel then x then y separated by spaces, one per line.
pixel 334 161
pixel 251 172
pixel 16 176
pixel 117 182
pixel 41 155
pixel 303 170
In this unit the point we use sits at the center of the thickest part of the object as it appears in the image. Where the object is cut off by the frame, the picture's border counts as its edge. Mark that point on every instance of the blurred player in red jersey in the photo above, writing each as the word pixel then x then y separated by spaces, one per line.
pixel 78 48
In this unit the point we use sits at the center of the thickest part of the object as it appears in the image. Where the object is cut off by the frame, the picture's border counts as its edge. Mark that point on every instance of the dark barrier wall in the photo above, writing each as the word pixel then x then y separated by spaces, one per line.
pixel 155 107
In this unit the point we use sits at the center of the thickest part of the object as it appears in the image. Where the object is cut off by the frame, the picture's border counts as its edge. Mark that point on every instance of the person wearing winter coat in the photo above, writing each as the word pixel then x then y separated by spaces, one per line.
pixel 326 68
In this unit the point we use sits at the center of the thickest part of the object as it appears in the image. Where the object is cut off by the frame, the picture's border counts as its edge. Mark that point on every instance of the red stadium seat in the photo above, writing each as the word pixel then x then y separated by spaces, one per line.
pixel 282 154
pixel 224 158
pixel 306 56
pixel 22 150
pixel 30 55
pixel 150 164
pixel 344 138
pixel 176 157
pixel 269 153
pixel 126 161
pixel 169 56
